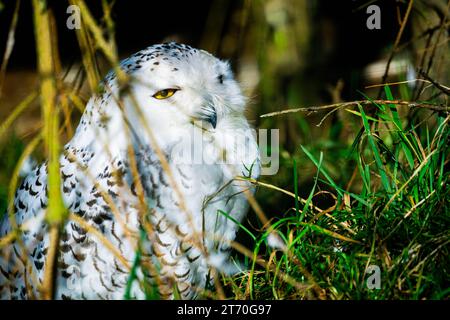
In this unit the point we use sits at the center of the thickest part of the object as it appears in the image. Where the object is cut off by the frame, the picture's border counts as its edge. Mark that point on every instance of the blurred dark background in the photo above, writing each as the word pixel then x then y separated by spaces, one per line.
pixel 336 32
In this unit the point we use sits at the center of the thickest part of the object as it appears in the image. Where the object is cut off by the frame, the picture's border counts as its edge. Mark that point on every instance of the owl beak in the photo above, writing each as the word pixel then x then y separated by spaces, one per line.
pixel 209 114
pixel 213 119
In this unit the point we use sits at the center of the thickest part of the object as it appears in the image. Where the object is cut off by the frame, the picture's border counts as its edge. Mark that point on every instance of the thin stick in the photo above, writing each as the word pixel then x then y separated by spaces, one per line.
pixel 9 45
pixel 410 104
pixel 441 87
pixel 48 284
pixel 396 43
pixel 21 107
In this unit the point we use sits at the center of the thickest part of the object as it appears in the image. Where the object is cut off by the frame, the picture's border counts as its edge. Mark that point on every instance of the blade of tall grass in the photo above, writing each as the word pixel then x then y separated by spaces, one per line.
pixel 321 170
pixel 17 111
pixel 55 212
pixel 381 169
pixel 313 189
pixel 406 144
pixel 240 225
pixel 297 210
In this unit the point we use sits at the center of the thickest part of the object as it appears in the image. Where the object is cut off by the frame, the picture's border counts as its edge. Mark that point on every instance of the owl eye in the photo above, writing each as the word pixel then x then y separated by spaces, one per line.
pixel 164 94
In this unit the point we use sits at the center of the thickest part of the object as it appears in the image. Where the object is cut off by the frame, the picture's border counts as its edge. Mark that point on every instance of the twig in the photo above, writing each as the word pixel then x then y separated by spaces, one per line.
pixel 442 27
pixel 396 43
pixel 429 31
pixel 9 45
pixel 395 83
pixel 49 283
pixel 441 87
pixel 441 32
pixel 410 104
pixel 21 107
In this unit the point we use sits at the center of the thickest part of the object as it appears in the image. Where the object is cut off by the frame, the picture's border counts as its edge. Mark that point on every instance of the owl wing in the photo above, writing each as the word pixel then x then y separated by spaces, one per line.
pixel 85 268
pixel 30 202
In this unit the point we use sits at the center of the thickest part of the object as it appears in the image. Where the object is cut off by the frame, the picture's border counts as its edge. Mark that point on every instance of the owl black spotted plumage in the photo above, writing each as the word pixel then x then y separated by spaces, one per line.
pixel 152 168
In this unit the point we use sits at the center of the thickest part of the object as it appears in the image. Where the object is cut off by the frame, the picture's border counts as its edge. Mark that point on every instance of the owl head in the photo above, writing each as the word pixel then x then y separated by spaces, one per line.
pixel 171 86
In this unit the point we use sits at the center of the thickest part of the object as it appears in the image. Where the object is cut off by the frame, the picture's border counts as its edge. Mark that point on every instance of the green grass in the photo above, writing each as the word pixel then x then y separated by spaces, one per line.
pixel 399 220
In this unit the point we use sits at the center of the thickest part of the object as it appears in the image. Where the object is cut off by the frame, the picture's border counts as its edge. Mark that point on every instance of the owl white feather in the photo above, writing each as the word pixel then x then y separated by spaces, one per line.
pixel 152 167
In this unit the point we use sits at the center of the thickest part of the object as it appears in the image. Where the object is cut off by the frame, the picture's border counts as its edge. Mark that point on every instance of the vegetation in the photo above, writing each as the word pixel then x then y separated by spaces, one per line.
pixel 361 183
pixel 397 220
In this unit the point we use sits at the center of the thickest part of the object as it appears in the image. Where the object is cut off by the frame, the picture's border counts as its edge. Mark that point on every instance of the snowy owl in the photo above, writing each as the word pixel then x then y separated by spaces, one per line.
pixel 152 169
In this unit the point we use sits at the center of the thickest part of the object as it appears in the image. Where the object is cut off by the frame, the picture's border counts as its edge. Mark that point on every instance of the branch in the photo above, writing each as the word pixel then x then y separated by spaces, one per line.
pixel 410 104
pixel 396 43
pixel 441 87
